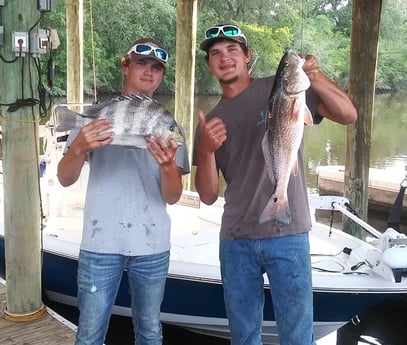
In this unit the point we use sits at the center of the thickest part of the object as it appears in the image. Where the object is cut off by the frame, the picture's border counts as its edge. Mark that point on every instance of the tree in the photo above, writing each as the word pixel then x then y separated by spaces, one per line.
pixel 318 27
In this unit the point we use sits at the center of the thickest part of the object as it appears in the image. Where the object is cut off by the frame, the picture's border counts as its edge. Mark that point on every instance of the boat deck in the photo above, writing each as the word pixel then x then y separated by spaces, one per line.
pixel 51 329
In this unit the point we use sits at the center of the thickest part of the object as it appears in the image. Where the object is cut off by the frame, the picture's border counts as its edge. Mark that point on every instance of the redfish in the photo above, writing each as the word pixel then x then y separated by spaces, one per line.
pixel 285 119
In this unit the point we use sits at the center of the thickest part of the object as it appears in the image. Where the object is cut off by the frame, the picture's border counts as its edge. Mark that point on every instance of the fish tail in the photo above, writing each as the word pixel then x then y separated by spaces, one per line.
pixel 276 209
pixel 66 119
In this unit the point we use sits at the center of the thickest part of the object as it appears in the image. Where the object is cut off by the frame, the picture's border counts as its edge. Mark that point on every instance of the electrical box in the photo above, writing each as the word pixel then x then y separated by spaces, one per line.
pixel 39 42
pixel 19 43
pixel 47 5
pixel 1 23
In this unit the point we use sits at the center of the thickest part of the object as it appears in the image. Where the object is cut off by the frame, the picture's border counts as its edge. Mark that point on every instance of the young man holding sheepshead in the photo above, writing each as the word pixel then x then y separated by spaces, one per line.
pixel 126 226
pixel 230 139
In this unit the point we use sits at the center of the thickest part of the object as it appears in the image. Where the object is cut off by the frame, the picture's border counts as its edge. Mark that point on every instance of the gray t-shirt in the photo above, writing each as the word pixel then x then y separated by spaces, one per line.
pixel 125 212
pixel 241 161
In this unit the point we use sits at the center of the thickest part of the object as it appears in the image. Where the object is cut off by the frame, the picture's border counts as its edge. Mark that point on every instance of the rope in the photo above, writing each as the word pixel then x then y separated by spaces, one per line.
pixel 93 50
pixel 18 120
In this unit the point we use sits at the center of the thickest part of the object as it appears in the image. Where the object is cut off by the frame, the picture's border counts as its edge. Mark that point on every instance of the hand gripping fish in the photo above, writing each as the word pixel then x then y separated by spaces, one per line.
pixel 287 113
pixel 134 120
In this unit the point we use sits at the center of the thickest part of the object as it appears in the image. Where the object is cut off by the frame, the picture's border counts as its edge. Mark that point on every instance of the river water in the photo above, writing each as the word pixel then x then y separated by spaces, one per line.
pixel 324 145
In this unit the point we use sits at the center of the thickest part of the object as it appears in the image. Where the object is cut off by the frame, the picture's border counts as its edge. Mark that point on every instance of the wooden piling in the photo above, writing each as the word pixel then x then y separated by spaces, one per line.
pixel 185 69
pixel 362 80
pixel 19 120
pixel 74 53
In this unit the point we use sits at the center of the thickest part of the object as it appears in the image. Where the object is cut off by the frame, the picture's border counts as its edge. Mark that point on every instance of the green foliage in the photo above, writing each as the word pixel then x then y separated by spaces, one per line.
pixel 318 27
pixel 329 46
pixel 267 45
pixel 392 62
pixel 116 32
pixel 57 21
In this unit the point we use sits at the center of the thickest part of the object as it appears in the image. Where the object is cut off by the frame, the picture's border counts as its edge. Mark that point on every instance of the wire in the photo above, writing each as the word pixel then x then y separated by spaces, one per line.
pixel 8 61
pixel 27 102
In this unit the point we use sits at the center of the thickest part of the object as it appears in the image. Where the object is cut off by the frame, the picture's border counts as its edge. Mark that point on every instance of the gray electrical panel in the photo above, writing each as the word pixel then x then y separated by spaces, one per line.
pixel 1 24
pixel 47 5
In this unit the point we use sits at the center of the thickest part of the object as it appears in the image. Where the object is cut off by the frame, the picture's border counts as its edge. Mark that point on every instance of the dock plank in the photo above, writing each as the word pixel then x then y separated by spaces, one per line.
pixel 51 329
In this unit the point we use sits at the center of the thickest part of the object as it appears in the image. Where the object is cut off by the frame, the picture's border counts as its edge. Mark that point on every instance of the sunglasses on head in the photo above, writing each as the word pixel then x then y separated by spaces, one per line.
pixel 226 30
pixel 146 49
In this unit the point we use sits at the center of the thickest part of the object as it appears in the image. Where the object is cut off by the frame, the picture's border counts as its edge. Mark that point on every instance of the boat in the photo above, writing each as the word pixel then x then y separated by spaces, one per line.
pixel 350 275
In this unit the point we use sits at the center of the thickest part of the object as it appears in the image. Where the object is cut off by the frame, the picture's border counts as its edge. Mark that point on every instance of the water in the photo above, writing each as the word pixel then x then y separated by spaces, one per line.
pixel 324 145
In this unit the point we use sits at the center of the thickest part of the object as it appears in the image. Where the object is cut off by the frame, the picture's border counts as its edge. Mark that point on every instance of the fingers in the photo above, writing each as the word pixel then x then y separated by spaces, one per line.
pixel 202 118
pixel 311 66
pixel 212 133
pixel 163 151
pixel 215 131
pixel 96 134
pixel 99 129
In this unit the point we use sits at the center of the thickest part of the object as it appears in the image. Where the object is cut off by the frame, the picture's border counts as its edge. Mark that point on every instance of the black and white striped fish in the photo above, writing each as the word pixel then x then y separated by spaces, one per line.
pixel 135 118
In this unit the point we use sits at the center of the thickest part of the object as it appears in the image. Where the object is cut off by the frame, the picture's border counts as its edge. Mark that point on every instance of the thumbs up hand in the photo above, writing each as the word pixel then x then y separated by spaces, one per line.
pixel 212 133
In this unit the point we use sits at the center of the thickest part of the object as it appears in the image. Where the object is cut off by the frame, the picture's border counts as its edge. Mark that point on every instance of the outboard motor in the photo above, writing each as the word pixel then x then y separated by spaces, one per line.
pixel 393 243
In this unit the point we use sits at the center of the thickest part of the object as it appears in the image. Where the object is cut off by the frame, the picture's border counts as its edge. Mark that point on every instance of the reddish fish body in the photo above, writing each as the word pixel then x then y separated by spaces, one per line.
pixel 287 113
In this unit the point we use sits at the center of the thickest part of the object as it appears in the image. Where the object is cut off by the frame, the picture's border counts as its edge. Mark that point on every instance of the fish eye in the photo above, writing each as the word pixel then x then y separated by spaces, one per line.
pixel 172 128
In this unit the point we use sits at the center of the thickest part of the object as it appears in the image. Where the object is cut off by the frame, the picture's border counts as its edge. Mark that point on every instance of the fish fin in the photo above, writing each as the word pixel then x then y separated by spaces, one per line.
pixel 294 170
pixel 308 120
pixel 131 141
pixel 267 156
pixel 276 209
pixel 295 110
pixel 66 119
pixel 93 112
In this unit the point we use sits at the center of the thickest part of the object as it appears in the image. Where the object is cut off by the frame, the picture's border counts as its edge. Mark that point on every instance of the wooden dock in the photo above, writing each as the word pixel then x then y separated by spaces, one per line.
pixel 51 329
pixel 383 188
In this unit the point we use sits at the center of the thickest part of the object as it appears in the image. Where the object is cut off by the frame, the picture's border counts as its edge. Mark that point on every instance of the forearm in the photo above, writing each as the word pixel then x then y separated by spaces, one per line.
pixel 334 102
pixel 92 136
pixel 70 167
pixel 171 183
pixel 207 178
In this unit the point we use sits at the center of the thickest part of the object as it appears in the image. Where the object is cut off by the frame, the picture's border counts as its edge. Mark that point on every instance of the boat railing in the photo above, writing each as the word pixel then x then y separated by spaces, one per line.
pixel 356 219
pixel 339 203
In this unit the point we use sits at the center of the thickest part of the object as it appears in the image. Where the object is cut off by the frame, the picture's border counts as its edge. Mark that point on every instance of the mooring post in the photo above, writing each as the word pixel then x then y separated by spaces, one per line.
pixel 20 120
pixel 185 68
pixel 362 79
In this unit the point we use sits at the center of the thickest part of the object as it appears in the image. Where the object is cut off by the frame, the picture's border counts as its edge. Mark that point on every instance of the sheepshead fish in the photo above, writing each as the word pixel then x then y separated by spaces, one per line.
pixel 286 116
pixel 134 120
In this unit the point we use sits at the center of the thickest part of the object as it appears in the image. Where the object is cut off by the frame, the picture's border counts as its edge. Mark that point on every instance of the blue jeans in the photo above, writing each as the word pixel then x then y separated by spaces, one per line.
pixel 99 278
pixel 286 261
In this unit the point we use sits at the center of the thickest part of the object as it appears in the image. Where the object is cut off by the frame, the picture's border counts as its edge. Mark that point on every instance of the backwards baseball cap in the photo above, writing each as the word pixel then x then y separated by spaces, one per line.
pixel 221 32
pixel 149 47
